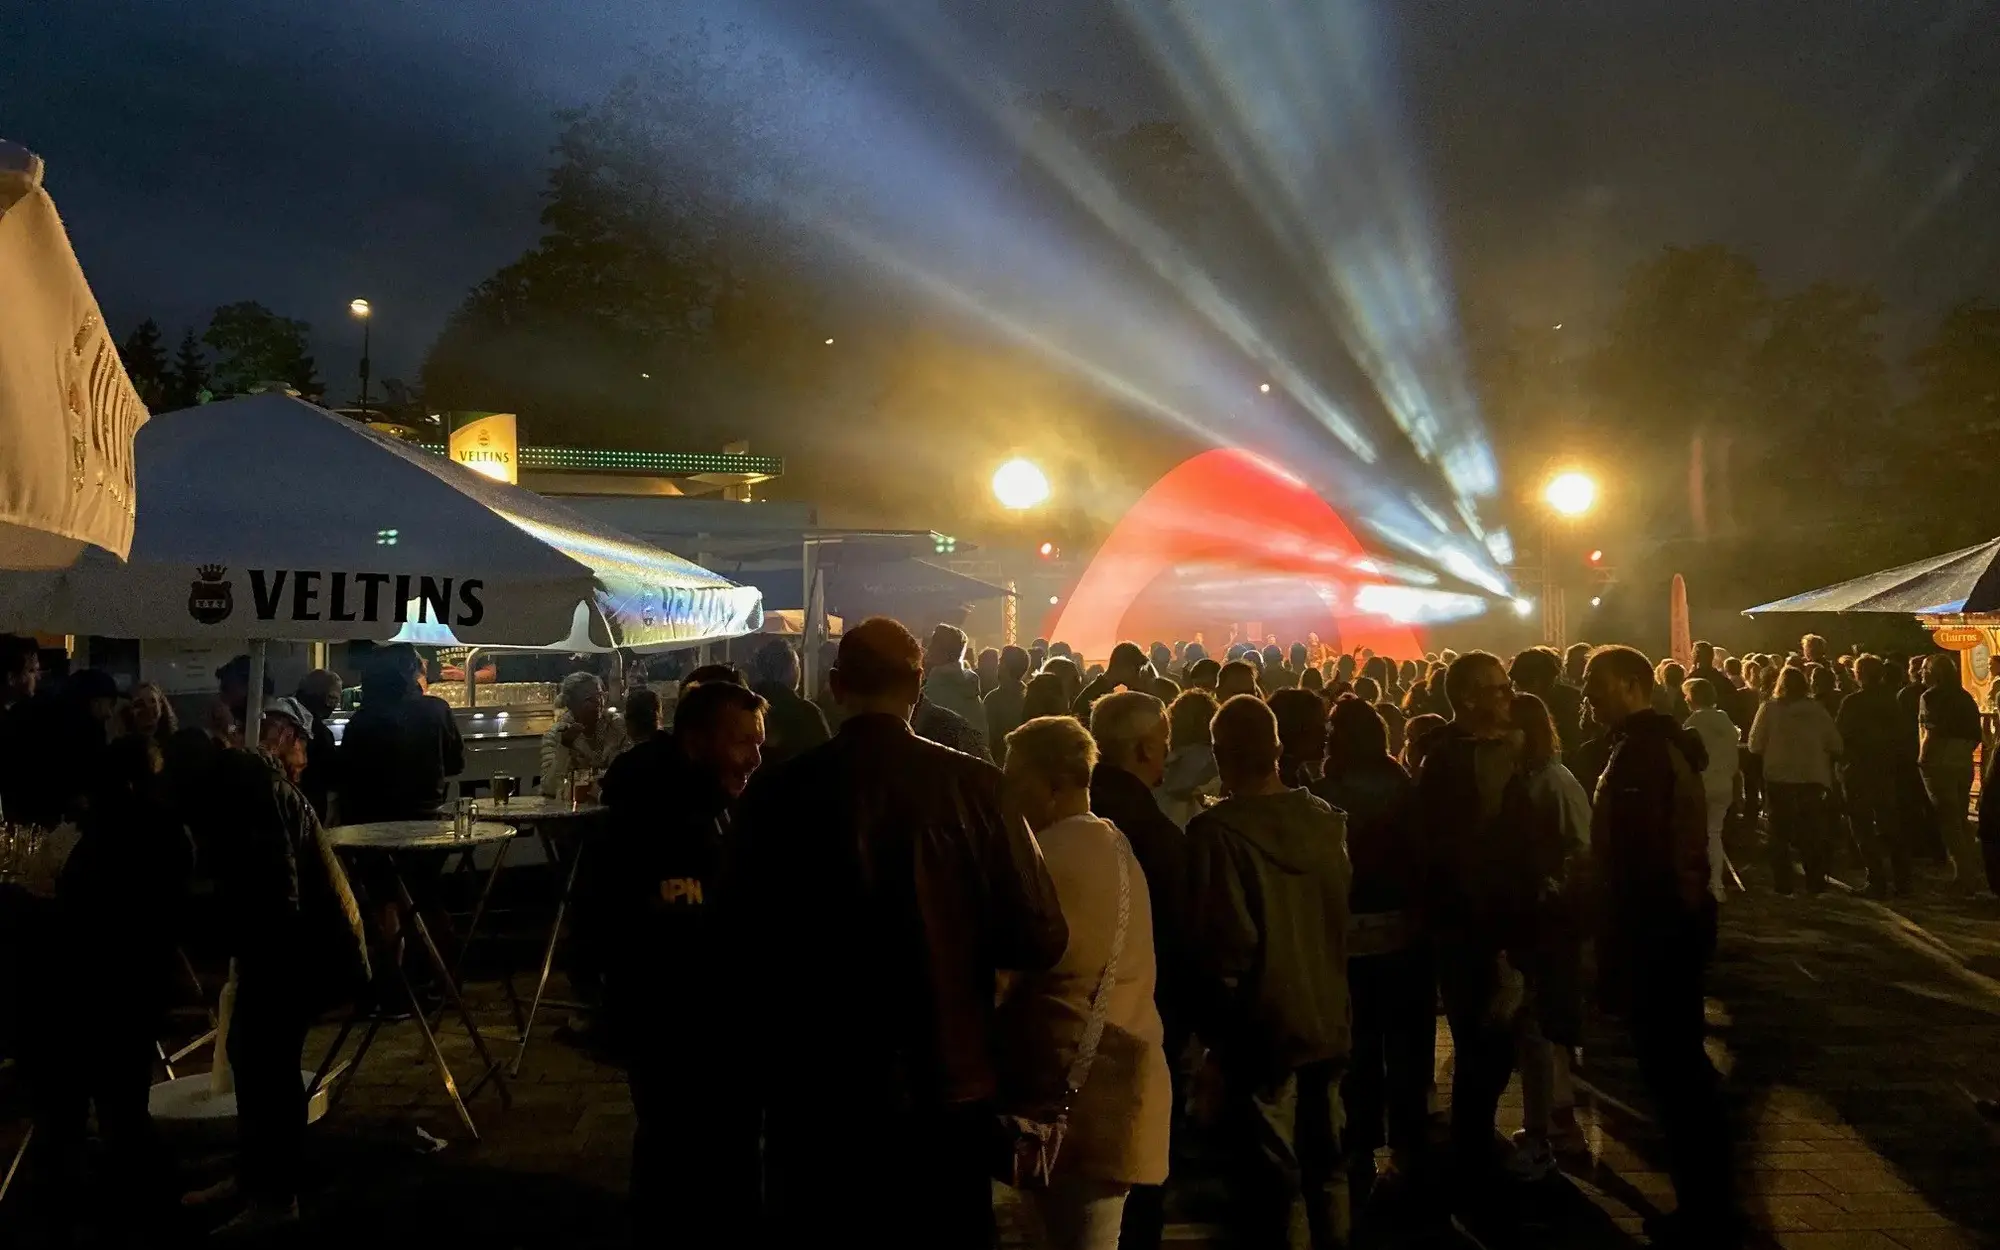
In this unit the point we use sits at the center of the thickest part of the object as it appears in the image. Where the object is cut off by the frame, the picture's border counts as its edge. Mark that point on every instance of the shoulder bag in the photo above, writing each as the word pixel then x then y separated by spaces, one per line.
pixel 1034 1143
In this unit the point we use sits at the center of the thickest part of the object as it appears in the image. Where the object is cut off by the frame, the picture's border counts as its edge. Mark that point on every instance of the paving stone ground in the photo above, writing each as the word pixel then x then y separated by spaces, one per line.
pixel 1857 1038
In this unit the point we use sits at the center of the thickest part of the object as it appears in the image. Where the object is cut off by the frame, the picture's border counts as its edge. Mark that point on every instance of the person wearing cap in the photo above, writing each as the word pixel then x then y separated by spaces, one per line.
pixel 294 935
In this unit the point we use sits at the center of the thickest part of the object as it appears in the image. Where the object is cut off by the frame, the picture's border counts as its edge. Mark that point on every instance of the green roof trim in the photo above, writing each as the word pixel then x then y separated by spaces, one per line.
pixel 670 463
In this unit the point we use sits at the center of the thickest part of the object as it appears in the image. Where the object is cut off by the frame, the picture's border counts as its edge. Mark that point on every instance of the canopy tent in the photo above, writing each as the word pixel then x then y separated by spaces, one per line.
pixel 269 518
pixel 67 410
pixel 1965 582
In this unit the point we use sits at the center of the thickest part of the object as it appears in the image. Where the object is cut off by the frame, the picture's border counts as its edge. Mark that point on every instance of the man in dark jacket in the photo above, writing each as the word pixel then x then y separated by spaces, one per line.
pixel 1268 912
pixel 884 890
pixel 1873 734
pixel 276 899
pixel 319 693
pixel 1131 733
pixel 674 989
pixel 1476 820
pixel 1649 854
pixel 1538 671
pixel 401 745
pixel 1127 669
pixel 795 724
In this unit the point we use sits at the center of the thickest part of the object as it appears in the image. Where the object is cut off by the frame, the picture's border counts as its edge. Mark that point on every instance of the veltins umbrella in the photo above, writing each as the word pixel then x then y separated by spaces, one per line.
pixel 1964 581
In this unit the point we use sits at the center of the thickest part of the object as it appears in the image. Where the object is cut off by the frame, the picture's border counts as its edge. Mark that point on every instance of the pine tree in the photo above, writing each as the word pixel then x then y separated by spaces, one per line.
pixel 146 363
pixel 187 385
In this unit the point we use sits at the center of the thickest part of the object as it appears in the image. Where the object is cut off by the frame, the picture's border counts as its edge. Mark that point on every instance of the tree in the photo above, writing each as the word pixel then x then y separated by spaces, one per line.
pixel 254 345
pixel 1670 384
pixel 662 291
pixel 1820 385
pixel 187 385
pixel 146 363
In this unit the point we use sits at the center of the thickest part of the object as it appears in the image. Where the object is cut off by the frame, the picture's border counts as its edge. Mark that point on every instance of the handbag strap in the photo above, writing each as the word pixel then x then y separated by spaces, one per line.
pixel 1100 999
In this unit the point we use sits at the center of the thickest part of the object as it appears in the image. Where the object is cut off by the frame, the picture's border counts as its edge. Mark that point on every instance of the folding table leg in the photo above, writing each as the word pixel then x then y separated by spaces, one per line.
pixel 20 1153
pixel 548 954
pixel 430 1039
pixel 454 999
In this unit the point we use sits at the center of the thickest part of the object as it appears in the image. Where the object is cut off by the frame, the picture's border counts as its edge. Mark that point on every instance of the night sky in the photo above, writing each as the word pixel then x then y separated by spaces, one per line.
pixel 206 151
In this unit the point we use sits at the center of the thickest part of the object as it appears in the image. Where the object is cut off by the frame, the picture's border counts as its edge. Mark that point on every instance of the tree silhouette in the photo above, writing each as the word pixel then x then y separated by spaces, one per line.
pixel 146 363
pixel 187 385
pixel 254 345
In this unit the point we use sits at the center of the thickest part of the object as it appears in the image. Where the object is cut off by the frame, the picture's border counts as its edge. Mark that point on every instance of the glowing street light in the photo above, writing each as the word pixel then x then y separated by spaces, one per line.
pixel 1264 387
pixel 1571 493
pixel 360 309
pixel 1019 485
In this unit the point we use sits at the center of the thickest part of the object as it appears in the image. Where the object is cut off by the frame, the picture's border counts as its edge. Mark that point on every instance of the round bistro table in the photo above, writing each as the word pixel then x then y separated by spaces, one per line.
pixel 392 843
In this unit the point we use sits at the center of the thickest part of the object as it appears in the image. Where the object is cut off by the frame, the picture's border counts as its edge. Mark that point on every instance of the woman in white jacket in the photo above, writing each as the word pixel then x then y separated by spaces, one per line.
pixel 1719 737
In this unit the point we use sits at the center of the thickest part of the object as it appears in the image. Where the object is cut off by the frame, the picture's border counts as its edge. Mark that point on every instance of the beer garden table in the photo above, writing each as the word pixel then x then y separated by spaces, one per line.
pixel 394 841
pixel 561 825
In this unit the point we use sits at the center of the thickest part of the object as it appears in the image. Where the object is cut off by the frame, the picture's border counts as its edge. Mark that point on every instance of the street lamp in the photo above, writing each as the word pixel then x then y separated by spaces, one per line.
pixel 1020 485
pixel 1571 493
pixel 360 309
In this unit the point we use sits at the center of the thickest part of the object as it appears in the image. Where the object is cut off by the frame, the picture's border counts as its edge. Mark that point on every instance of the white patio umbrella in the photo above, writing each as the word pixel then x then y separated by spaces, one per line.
pixel 67 410
pixel 269 519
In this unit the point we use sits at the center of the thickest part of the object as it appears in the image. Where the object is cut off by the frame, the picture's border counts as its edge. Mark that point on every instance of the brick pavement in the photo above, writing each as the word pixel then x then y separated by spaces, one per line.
pixel 1856 1035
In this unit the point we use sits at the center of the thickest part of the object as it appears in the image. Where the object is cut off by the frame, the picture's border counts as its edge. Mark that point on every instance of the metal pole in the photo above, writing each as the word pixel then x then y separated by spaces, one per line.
pixel 808 648
pixel 364 363
pixel 1551 610
pixel 253 706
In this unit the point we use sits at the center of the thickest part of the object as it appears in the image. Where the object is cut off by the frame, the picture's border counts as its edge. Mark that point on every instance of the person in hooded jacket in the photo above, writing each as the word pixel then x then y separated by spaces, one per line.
pixel 1389 969
pixel 1268 883
pixel 1656 933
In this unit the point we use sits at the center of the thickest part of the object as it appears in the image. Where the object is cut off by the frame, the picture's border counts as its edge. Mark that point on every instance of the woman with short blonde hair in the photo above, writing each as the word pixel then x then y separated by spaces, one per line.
pixel 1115 1090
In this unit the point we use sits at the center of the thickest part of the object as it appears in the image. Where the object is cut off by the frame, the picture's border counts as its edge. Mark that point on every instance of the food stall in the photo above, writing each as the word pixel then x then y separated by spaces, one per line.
pixel 1955 595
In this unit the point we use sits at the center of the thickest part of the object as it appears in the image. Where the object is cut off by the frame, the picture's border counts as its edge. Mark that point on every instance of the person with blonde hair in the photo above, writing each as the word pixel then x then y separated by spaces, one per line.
pixel 587 734
pixel 1083 1041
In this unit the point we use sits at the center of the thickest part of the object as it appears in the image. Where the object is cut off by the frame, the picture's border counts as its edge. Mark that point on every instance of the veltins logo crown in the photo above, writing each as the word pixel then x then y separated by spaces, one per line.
pixel 212 598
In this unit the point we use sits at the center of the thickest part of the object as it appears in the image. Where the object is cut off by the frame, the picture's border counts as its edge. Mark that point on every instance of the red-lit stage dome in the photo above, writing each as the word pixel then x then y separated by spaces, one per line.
pixel 1228 541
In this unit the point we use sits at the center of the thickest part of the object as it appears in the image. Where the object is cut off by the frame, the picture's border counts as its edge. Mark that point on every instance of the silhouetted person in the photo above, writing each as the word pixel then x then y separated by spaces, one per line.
pixel 1949 718
pixel 675 990
pixel 794 724
pixel 1476 821
pixel 1268 884
pixel 885 889
pixel 1649 856
pixel 1131 733
pixel 1872 735
pixel 1389 968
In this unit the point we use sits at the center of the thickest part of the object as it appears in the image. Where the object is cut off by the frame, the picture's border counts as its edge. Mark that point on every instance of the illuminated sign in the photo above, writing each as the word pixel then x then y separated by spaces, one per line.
pixel 485 443
pixel 1958 637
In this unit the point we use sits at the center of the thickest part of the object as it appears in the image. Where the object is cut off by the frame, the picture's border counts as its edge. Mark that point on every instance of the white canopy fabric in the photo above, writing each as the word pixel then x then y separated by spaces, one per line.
pixel 67 410
pixel 267 517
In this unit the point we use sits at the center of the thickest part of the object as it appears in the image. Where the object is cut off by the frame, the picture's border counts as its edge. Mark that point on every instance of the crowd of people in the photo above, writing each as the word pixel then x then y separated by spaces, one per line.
pixel 1044 921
